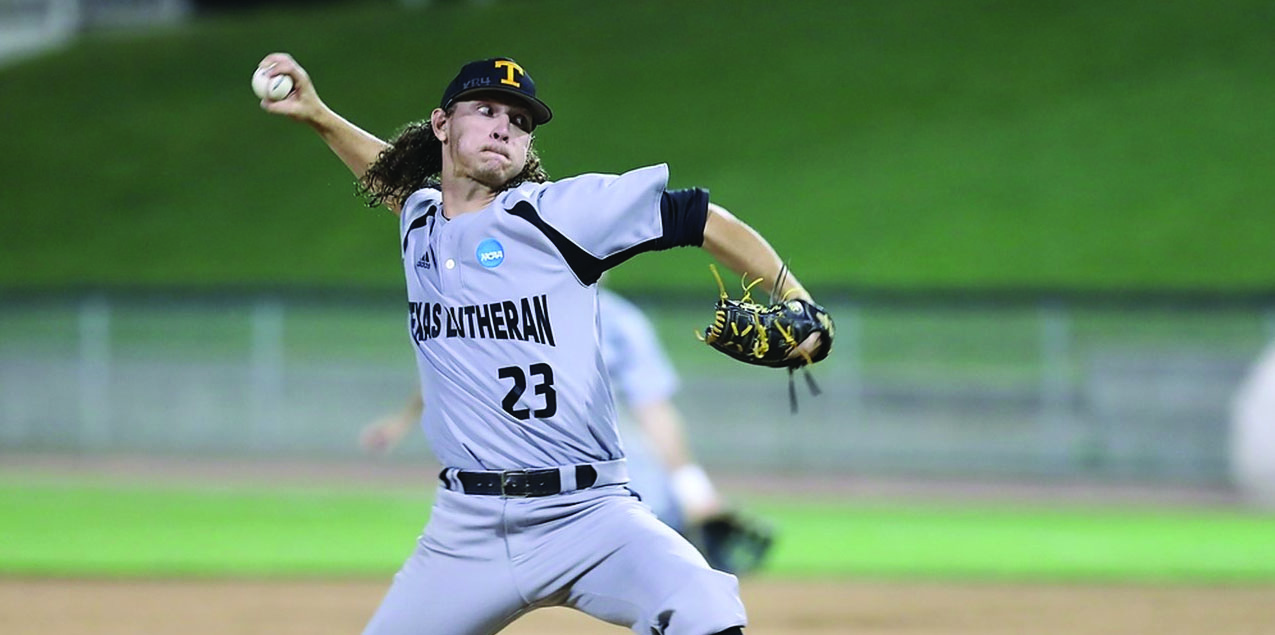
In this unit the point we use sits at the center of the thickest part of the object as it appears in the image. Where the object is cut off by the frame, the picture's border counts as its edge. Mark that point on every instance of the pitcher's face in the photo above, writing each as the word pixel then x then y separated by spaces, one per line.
pixel 487 139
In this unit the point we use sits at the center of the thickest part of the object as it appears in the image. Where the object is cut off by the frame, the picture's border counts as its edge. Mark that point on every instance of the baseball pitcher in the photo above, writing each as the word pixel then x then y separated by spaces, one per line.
pixel 501 267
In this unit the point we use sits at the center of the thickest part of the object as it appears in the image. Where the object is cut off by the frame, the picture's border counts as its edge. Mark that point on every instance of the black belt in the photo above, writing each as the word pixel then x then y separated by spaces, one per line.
pixel 520 483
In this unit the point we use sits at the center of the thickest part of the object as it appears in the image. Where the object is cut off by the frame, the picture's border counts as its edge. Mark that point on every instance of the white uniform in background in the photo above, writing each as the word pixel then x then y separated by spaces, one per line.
pixel 1253 431
pixel 640 374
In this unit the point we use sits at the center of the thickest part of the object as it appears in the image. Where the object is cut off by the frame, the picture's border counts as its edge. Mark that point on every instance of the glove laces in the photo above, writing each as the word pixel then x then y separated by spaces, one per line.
pixel 810 379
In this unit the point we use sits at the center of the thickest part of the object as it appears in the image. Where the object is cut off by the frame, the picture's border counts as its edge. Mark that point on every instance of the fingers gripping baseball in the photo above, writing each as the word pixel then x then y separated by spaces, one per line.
pixel 301 102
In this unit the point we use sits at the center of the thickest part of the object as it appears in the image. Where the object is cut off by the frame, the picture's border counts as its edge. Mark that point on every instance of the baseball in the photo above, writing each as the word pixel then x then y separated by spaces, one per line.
pixel 272 87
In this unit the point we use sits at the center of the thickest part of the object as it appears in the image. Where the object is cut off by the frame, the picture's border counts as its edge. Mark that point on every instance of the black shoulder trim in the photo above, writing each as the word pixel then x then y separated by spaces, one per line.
pixel 418 223
pixel 588 268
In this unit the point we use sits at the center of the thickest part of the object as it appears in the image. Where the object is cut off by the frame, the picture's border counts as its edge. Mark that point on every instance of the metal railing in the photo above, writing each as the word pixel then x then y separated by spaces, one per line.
pixel 1043 390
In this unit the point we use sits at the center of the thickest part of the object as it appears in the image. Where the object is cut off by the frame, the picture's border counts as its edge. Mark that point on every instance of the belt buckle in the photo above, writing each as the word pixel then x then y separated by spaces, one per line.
pixel 504 483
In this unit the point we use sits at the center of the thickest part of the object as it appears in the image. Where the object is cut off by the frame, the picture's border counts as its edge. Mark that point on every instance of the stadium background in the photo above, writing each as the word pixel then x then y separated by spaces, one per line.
pixel 1043 228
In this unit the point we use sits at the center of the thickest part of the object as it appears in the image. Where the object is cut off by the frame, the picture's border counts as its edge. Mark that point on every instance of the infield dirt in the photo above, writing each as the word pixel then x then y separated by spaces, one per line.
pixel 57 607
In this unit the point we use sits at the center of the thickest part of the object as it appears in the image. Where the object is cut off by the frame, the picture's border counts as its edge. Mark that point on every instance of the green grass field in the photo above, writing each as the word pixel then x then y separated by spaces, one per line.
pixel 913 144
pixel 68 529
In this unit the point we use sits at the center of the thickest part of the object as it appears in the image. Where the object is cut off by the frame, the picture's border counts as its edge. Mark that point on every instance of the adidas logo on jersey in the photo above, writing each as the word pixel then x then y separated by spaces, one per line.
pixel 424 262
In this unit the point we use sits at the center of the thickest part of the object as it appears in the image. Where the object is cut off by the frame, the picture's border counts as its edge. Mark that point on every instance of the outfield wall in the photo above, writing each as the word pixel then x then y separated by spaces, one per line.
pixel 1026 390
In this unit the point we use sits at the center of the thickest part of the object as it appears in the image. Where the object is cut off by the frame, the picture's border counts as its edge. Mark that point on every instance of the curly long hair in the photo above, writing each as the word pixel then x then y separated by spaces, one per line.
pixel 414 160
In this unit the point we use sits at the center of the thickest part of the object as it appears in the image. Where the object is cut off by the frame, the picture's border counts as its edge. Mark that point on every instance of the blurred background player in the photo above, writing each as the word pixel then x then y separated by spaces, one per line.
pixel 661 465
pixel 1253 431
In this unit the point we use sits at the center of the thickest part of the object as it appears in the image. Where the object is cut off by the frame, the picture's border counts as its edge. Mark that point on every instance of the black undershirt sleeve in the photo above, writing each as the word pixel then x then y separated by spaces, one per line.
pixel 683 214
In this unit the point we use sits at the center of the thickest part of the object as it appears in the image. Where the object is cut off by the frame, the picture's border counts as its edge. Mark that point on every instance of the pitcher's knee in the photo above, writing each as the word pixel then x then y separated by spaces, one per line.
pixel 706 604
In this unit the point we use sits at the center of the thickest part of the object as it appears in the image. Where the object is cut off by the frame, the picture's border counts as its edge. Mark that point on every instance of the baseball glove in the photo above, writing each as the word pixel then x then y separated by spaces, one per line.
pixel 733 542
pixel 767 335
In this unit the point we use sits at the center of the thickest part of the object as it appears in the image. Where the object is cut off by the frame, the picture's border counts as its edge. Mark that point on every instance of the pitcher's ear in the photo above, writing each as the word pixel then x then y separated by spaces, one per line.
pixel 438 122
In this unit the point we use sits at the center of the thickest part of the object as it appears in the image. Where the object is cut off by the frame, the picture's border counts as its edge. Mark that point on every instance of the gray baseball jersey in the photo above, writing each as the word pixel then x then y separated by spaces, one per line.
pixel 506 332
pixel 503 315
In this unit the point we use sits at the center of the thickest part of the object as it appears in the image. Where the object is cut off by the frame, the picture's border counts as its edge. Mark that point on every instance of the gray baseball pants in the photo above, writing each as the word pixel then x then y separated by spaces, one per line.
pixel 484 561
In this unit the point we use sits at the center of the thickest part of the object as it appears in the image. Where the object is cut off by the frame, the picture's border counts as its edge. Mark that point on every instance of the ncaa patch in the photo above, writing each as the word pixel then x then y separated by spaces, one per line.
pixel 490 253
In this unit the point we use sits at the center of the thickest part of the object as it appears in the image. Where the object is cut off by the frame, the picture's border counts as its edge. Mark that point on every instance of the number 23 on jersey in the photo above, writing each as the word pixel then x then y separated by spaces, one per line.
pixel 542 388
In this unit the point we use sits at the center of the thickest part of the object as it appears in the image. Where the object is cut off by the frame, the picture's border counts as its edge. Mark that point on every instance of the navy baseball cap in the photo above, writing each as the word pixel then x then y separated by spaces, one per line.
pixel 498 74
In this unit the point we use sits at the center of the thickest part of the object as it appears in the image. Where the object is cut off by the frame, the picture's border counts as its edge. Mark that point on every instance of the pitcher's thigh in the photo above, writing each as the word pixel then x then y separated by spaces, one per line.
pixel 437 593
pixel 656 582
